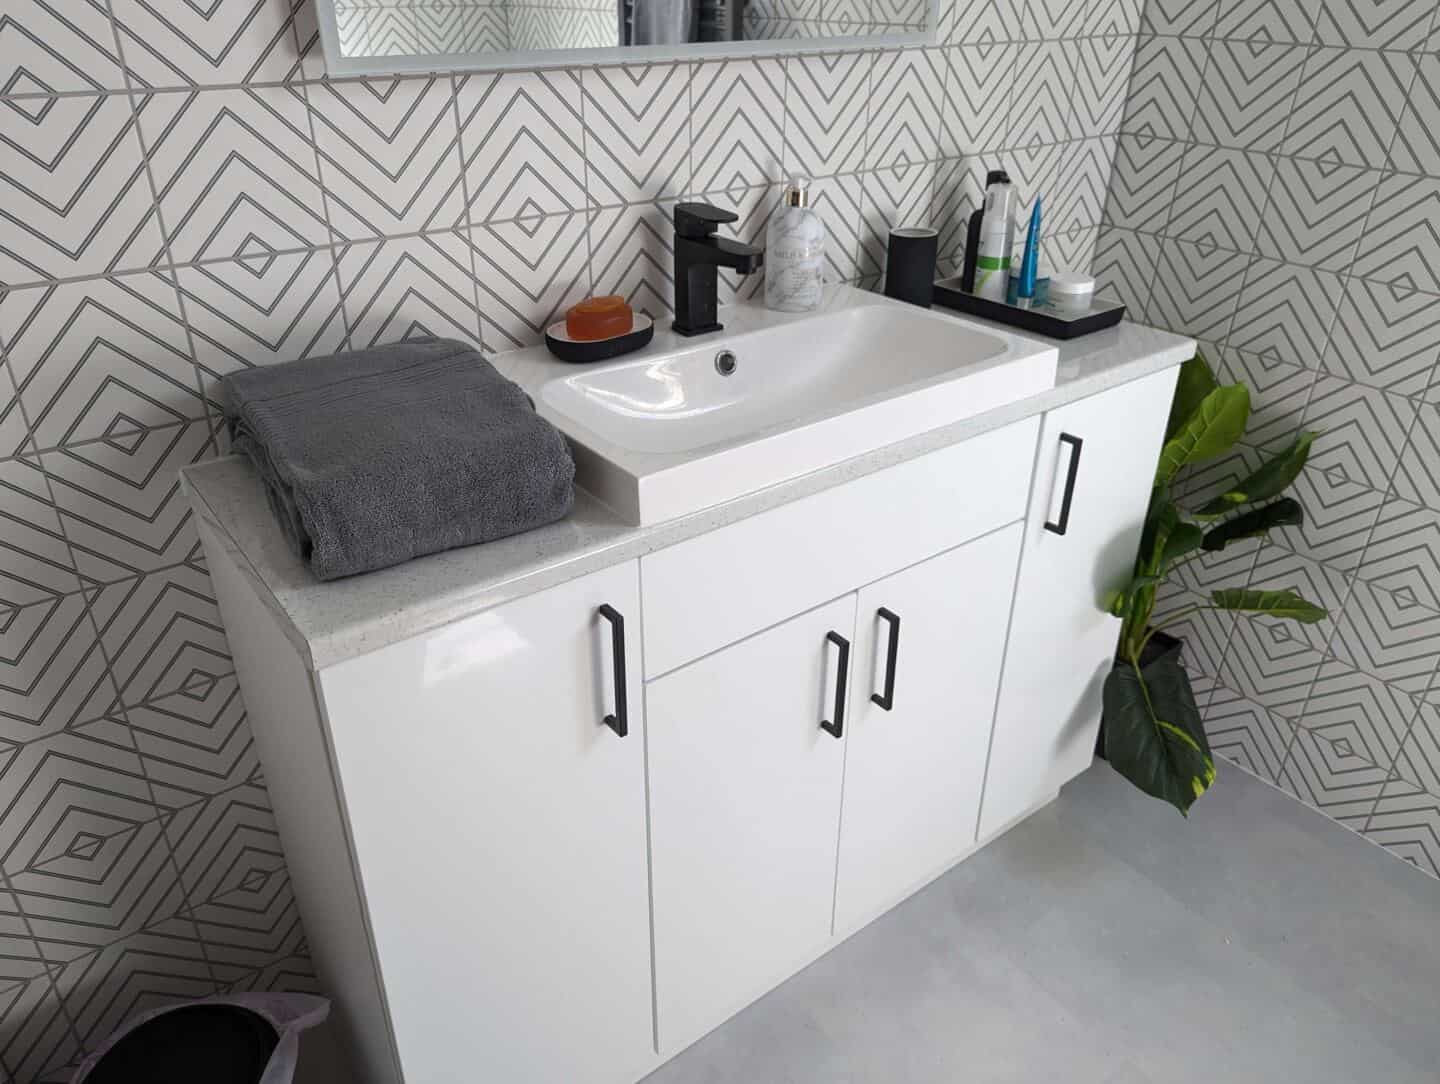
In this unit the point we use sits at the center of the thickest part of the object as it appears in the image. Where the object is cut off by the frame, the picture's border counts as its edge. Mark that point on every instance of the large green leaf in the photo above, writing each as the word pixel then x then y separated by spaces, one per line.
pixel 1196 381
pixel 1153 733
pixel 1285 604
pixel 1184 538
pixel 1215 426
pixel 1255 523
pixel 1120 601
pixel 1270 480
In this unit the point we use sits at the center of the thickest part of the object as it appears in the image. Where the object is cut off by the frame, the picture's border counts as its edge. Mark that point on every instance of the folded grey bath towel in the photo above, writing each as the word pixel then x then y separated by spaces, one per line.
pixel 376 456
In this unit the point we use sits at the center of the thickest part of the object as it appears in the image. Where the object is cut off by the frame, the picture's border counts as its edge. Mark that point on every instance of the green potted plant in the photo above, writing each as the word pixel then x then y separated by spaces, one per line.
pixel 1153 734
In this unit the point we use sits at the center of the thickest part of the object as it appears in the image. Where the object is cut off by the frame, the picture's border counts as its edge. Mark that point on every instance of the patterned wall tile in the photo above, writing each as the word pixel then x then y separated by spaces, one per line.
pixel 195 743
pixel 840 203
pixel 1113 18
pixel 637 147
pixel 1158 103
pixel 737 110
pixel 234 166
pixel 224 42
pixel 389 155
pixel 1416 148
pixel 1364 429
pixel 1245 733
pixel 266 308
pixel 527 274
pixel 1196 288
pixel 1326 776
pixel 1190 18
pixel 162 633
pixel 1403 554
pixel 1244 100
pixel 1142 182
pixel 1359 714
pixel 36 1038
pixel 104 989
pixel 1406 822
pixel 120 500
pixel 978 82
pixel 907 92
pixel 1348 105
pixel 894 198
pixel 35 562
pixel 1386 336
pixel 521 144
pixel 1043 112
pixel 1401 243
pixel 1102 81
pixel 1316 212
pixel 1285 312
pixel 1269 663
pixel 50 47
pixel 1266 20
pixel 825 112
pixel 981 21
pixel 1123 266
pixel 1279 392
pixel 73 189
pixel 1418 478
pixel 1373 24
pixel 632 254
pixel 406 287
pixel 1390 636
pixel 1221 200
pixel 1419 759
pixel 1339 514
pixel 99 358
pixel 52 671
pixel 959 191
pixel 1279 569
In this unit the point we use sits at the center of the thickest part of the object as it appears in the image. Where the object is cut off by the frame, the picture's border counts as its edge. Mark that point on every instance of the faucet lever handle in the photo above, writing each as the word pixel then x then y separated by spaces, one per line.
pixel 700 220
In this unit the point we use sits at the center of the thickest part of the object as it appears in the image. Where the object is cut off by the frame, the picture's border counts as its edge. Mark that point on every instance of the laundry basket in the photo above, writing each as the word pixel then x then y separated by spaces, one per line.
pixel 235 1039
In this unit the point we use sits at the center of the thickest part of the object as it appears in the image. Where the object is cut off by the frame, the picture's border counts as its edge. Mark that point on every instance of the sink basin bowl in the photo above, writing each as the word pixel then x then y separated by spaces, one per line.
pixel 689 423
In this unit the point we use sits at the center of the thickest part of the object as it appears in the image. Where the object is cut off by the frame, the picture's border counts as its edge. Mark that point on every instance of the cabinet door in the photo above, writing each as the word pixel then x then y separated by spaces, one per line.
pixel 915 760
pixel 499 829
pixel 1102 452
pixel 744 813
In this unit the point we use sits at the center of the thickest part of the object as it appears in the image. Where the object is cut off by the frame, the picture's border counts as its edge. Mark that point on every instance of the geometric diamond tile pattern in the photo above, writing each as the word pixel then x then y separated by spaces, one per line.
pixel 1276 195
pixel 235 209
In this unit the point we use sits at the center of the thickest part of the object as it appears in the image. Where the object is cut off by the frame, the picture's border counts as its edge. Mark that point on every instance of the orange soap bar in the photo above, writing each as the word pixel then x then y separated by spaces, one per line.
pixel 599 318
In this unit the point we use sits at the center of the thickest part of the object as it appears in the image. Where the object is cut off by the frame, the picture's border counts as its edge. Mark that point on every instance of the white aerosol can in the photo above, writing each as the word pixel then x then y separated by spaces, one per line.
pixel 997 236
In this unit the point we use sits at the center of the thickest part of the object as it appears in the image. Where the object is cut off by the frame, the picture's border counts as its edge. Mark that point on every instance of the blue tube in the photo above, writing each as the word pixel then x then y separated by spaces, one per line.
pixel 1029 263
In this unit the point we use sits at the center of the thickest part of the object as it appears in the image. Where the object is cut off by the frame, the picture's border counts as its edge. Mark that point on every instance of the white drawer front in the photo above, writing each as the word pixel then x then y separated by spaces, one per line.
pixel 712 590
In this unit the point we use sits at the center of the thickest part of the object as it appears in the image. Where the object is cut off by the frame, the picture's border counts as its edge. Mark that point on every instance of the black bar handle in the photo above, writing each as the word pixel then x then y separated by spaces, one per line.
pixel 837 728
pixel 892 654
pixel 620 721
pixel 1076 444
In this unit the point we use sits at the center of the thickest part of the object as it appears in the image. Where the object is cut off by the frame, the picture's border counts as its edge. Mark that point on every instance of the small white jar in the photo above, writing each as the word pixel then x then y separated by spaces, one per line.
pixel 1071 293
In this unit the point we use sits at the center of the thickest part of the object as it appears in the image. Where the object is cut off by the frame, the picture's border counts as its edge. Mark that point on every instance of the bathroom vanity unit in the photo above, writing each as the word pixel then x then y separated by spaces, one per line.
pixel 557 806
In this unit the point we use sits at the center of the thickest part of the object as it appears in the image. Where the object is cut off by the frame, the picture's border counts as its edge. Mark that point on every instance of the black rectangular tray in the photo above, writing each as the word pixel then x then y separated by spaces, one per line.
pixel 1041 319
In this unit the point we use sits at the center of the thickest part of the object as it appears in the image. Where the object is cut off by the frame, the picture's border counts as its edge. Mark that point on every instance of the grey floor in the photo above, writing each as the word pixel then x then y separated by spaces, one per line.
pixel 1108 941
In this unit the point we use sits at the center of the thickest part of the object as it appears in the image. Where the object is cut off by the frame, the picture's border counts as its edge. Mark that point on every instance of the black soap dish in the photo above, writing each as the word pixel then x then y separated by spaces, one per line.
pixel 583 351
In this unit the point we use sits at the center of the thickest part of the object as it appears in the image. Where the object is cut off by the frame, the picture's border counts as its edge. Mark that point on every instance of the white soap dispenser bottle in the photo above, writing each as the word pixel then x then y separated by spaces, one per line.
pixel 795 253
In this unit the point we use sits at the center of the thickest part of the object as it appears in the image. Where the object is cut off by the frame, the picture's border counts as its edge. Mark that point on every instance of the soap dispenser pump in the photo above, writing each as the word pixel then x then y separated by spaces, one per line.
pixel 795 253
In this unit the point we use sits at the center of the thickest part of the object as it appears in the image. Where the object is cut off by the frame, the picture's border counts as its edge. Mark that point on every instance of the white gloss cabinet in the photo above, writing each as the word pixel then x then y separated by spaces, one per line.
pixel 744 811
pixel 499 886
pixel 915 760
pixel 1092 484
pixel 499 830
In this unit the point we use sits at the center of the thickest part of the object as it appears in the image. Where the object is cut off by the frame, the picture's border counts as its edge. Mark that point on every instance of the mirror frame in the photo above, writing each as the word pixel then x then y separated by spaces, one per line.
pixel 337 65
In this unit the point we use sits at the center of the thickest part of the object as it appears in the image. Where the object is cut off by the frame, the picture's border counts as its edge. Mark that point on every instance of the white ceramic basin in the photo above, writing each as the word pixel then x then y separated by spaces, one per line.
pixel 665 432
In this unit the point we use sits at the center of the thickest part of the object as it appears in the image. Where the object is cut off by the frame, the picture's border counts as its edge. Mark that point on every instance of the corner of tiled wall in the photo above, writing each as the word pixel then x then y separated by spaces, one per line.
pixel 184 193
pixel 1288 217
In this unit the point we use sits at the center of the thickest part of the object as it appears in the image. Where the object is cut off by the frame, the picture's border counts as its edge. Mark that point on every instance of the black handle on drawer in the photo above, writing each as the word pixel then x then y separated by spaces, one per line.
pixel 837 728
pixel 887 699
pixel 1076 444
pixel 620 721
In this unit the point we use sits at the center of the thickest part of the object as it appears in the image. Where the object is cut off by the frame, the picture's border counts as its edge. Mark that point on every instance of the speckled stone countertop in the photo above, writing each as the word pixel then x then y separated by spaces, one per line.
pixel 331 622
